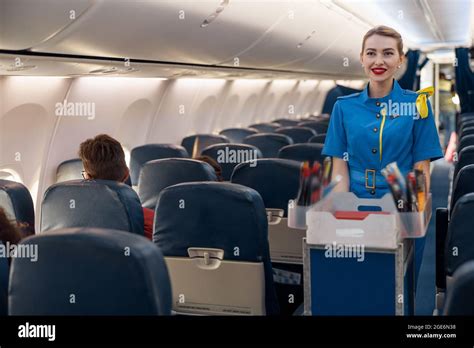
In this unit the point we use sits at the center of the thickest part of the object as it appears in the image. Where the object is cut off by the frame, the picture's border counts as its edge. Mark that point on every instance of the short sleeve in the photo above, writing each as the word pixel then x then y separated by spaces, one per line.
pixel 426 144
pixel 336 141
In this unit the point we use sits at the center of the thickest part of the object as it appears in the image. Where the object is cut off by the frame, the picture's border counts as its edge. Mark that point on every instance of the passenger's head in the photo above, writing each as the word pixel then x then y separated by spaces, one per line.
pixel 9 232
pixel 382 53
pixel 103 158
pixel 214 164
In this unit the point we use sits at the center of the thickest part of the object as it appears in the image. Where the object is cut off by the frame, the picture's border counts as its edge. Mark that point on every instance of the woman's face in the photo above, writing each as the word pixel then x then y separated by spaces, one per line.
pixel 380 58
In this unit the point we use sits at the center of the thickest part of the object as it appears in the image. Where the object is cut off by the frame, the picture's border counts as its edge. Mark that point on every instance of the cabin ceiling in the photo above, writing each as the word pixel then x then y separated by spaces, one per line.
pixel 170 38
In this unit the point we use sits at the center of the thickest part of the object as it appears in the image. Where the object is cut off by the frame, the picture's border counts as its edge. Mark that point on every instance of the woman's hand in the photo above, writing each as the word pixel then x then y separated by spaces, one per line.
pixel 425 166
pixel 339 167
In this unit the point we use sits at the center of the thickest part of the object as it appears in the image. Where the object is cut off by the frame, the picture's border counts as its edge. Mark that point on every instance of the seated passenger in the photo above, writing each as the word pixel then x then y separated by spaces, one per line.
pixel 214 164
pixel 9 232
pixel 103 158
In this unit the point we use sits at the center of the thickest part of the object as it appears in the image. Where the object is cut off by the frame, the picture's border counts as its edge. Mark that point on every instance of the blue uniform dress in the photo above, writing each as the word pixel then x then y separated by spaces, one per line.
pixel 360 134
pixel 370 133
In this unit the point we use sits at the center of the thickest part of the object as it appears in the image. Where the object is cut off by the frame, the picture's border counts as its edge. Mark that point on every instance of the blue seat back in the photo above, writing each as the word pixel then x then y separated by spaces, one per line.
pixel 16 201
pixel 302 152
pixel 195 143
pixel 463 184
pixel 459 296
pixel 237 135
pixel 142 154
pixel 276 180
pixel 72 170
pixel 92 203
pixel 266 127
pixel 86 271
pixel 287 122
pixel 216 215
pixel 297 134
pixel 460 239
pixel 465 157
pixel 159 174
pixel 318 139
pixel 268 143
pixel 318 126
pixel 69 170
pixel 228 156
pixel 465 141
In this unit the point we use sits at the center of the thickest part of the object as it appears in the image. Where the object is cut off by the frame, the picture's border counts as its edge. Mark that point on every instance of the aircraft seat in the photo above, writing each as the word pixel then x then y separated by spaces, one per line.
pixel 460 239
pixel 265 127
pixel 318 126
pixel 467 131
pixel 194 144
pixel 237 135
pixel 268 143
pixel 287 122
pixel 158 174
pixel 459 299
pixel 465 141
pixel 318 139
pixel 215 242
pixel 303 152
pixel 72 170
pixel 277 181
pixel 297 134
pixel 89 271
pixel 142 154
pixel 230 155
pixel 92 203
pixel 465 157
pixel 16 200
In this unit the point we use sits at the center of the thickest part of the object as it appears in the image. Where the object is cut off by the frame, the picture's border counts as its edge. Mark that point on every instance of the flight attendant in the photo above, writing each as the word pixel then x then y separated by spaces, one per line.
pixel 382 124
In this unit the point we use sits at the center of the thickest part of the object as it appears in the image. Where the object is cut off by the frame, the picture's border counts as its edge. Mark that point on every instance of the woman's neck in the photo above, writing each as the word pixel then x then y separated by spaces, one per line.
pixel 379 89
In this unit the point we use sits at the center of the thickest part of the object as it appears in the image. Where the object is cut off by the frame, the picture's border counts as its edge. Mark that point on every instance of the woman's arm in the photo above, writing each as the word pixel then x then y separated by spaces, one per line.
pixel 339 167
pixel 425 166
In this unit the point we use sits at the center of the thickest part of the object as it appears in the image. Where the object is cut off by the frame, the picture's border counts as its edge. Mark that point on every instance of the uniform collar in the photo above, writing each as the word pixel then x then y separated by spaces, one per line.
pixel 396 91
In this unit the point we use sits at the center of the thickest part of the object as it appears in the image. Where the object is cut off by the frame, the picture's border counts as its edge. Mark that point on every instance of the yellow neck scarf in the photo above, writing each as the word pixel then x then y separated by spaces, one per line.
pixel 422 100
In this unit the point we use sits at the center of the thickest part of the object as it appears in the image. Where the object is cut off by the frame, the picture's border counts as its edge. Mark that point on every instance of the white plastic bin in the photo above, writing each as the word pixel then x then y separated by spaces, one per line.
pixel 382 231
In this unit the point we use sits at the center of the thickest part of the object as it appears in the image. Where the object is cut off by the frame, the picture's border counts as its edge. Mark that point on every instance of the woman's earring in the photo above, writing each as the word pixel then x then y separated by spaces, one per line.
pixel 399 66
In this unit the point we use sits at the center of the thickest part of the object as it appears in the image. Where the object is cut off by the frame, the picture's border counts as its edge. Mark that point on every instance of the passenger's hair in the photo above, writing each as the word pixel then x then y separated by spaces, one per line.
pixel 214 164
pixel 8 231
pixel 103 158
pixel 383 30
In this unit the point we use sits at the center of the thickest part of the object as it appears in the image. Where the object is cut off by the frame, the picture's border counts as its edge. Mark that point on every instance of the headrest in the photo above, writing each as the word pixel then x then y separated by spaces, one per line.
pixel 237 135
pixel 4 275
pixel 303 152
pixel 460 234
pixel 463 183
pixel 215 215
pixel 297 134
pixel 266 127
pixel 276 180
pixel 16 200
pixel 92 203
pixel 318 139
pixel 87 271
pixel 158 174
pixel 195 143
pixel 286 122
pixel 268 143
pixel 230 155
pixel 459 299
pixel 69 170
pixel 467 140
pixel 142 154
pixel 467 131
pixel 72 170
pixel 318 126
pixel 465 157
